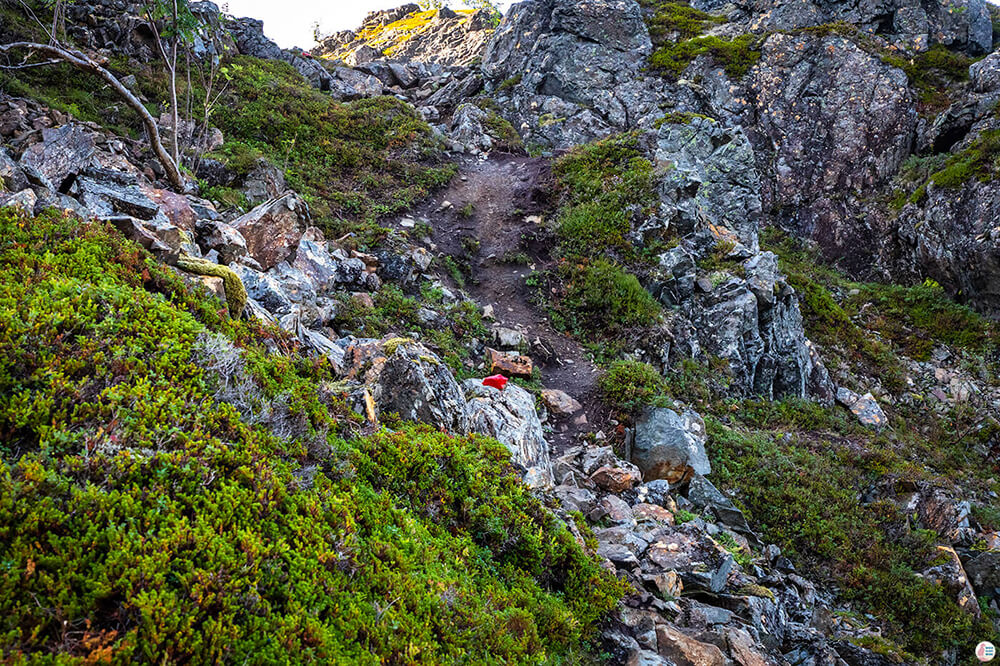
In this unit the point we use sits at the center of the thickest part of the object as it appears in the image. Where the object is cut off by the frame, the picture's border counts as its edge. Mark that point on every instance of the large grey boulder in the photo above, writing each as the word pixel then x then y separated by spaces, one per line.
pixel 669 445
pixel 264 289
pixel 407 379
pixel 509 416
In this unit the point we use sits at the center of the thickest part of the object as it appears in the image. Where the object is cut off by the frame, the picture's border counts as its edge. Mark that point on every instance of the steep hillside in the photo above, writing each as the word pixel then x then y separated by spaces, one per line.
pixel 625 332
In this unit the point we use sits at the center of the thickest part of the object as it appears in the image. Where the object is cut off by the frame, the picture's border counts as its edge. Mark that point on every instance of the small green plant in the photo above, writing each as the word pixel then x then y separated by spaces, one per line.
pixel 602 300
pixel 631 385
pixel 683 516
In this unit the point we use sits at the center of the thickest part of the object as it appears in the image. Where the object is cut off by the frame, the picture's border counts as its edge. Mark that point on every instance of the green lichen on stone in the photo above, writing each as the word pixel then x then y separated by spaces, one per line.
pixel 236 293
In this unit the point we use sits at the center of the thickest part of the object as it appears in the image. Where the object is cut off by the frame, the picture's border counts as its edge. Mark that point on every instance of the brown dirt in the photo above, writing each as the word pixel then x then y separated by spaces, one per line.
pixel 503 191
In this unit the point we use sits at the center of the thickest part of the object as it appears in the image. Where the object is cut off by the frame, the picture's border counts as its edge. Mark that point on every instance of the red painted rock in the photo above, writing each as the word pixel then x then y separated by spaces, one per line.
pixel 496 381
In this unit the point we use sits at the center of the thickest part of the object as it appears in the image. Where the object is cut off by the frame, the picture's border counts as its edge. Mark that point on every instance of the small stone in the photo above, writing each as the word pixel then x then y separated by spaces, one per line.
pixel 865 407
pixel 617 479
pixel 653 513
pixel 363 299
pixel 559 402
pixel 510 364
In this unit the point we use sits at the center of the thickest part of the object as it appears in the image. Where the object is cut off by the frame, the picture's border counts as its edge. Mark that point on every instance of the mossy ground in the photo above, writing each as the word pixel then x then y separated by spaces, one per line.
pixel 150 513
pixel 354 163
pixel 602 186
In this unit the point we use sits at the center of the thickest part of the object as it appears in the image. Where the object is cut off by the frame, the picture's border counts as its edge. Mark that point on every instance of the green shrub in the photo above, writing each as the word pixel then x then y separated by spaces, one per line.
pixel 603 185
pixel 931 71
pixel 804 498
pixel 171 491
pixel 603 301
pixel 630 385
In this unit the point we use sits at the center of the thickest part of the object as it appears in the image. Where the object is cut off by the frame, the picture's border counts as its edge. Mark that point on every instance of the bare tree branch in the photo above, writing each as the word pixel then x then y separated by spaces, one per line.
pixel 88 64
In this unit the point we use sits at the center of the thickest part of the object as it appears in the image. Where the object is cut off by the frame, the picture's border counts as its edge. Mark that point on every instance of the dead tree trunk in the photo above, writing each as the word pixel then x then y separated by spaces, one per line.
pixel 88 64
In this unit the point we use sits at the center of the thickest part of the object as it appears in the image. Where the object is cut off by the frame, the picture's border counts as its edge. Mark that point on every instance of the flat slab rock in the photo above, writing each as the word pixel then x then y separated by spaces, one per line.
pixel 865 407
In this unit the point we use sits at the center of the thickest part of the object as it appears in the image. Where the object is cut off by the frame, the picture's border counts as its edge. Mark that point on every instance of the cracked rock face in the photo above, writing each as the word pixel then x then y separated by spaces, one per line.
pixel 953 231
pixel 915 24
pixel 744 313
pixel 829 118
pixel 509 416
pixel 567 71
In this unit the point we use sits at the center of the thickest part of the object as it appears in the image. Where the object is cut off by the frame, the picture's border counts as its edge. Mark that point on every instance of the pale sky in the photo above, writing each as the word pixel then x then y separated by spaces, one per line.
pixel 289 22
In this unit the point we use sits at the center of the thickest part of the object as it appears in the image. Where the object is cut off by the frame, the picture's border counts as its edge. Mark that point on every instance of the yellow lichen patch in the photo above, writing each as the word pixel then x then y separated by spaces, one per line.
pixel 392 344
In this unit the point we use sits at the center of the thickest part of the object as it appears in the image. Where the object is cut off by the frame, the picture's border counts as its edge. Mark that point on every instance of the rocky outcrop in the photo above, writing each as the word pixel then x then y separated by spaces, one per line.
pixel 509 416
pixel 404 33
pixel 728 299
pixel 953 237
pixel 407 379
pixel 273 228
pixel 567 72
pixel 910 24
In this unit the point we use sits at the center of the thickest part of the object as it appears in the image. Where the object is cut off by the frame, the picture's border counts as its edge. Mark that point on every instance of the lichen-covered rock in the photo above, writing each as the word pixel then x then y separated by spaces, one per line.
pixel 865 407
pixel 709 178
pixel 953 237
pixel 827 118
pixel 407 33
pixel 223 238
pixel 744 311
pixel 912 24
pixel 408 379
pixel 509 416
pixel 62 153
pixel 669 446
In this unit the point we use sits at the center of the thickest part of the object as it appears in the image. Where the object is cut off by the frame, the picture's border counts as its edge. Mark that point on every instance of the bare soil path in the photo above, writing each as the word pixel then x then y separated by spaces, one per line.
pixel 492 201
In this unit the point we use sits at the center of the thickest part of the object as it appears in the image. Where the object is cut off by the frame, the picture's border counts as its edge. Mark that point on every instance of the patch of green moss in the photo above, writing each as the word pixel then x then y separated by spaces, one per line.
pixel 680 118
pixel 736 56
pixel 603 185
pixel 354 163
pixel 147 514
pixel 931 72
pixel 666 19
pixel 236 293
